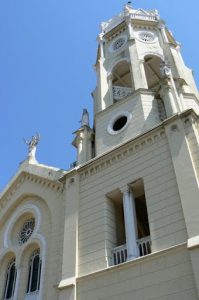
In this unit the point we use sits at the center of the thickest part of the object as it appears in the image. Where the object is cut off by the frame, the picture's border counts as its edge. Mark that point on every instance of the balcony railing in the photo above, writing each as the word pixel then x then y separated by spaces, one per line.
pixel 120 92
pixel 119 254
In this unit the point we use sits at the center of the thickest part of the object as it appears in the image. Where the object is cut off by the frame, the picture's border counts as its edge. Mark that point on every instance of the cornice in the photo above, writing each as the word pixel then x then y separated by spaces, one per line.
pixel 110 35
pixel 192 95
pixel 133 146
pixel 126 150
pixel 28 177
pixel 117 104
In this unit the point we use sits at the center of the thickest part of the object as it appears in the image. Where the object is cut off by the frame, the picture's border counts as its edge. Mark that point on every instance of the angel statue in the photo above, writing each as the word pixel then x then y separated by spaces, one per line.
pixel 32 146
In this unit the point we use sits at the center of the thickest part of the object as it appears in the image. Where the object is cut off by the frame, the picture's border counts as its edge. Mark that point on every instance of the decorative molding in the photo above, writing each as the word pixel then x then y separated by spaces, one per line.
pixel 153 53
pixel 125 151
pixel 117 31
pixel 117 116
pixel 53 185
pixel 28 208
pixel 189 121
pixel 123 59
pixel 139 14
pixel 146 37
pixel 118 44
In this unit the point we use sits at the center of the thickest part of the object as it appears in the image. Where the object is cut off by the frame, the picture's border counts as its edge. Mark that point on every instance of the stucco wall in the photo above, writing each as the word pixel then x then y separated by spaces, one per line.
pixel 167 276
pixel 148 158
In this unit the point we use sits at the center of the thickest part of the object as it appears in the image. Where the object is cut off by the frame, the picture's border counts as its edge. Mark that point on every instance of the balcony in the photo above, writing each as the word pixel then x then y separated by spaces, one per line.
pixel 119 254
pixel 120 92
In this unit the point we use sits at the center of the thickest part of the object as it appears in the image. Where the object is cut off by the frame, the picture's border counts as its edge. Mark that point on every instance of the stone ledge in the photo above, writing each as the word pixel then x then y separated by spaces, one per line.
pixel 139 260
pixel 193 242
pixel 66 283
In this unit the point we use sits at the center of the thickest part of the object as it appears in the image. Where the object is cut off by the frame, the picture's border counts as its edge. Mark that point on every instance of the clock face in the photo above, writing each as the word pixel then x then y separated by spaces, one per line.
pixel 117 44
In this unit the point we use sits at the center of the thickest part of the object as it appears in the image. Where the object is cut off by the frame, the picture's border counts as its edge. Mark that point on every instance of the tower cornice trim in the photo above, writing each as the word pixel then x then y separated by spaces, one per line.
pixel 131 147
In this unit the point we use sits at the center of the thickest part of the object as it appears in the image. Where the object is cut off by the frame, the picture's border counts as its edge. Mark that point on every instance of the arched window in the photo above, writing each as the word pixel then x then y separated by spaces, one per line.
pixel 10 280
pixel 34 272
pixel 154 80
pixel 121 81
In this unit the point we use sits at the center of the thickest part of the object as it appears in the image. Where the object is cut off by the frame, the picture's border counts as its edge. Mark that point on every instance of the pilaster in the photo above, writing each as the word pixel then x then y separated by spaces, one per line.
pixel 185 175
pixel 102 85
pixel 67 285
pixel 163 32
pixel 188 187
pixel 168 98
pixel 137 65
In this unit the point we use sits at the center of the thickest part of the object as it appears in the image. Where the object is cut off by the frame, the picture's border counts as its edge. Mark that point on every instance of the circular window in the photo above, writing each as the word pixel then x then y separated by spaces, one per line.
pixel 116 45
pixel 119 122
pixel 26 230
pixel 147 37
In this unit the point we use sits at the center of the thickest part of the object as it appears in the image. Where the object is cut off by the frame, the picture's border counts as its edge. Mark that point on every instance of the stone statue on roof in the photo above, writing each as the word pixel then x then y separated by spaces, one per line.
pixel 32 145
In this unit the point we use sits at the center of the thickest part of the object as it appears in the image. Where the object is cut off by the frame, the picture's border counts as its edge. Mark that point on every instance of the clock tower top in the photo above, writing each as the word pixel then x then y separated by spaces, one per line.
pixel 141 78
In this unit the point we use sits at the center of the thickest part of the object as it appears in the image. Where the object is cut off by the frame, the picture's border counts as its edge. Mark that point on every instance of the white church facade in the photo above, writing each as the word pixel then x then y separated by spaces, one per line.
pixel 123 222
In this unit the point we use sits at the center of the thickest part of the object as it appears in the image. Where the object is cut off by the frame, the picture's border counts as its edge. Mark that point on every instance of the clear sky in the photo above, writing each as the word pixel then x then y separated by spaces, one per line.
pixel 47 53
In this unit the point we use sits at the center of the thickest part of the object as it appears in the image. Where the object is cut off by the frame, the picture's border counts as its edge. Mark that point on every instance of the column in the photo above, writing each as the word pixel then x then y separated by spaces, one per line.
pixel 137 67
pixel 130 224
pixel 169 101
pixel 143 73
pixel 110 86
pixel 102 84
pixel 182 102
pixel 163 32
pixel 17 283
pixel 101 45
pixel 130 29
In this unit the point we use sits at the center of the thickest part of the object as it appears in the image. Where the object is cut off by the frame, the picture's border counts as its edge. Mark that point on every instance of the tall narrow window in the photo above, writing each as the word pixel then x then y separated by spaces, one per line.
pixel 10 280
pixel 34 272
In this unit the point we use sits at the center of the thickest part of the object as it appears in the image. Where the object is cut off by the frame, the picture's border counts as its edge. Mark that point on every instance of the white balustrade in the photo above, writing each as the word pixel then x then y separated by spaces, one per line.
pixel 120 92
pixel 119 254
pixel 144 246
pixel 133 14
pixel 149 17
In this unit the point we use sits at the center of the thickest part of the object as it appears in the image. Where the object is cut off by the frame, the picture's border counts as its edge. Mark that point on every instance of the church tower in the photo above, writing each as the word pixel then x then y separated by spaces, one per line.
pixel 141 78
pixel 123 222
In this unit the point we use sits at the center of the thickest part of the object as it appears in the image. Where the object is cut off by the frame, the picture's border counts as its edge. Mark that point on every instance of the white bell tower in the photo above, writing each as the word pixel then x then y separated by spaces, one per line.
pixel 141 78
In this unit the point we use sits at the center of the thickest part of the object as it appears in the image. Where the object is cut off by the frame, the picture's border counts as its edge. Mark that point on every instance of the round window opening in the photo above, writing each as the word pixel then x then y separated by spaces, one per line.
pixel 120 123
pixel 26 230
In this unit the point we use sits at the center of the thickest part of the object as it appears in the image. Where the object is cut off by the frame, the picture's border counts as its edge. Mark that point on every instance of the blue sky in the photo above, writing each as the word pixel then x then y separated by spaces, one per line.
pixel 47 53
